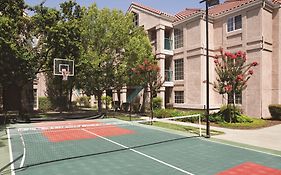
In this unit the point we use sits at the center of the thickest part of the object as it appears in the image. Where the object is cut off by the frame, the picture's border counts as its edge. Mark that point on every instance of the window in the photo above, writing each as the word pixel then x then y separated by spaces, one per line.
pixel 35 102
pixel 238 98
pixel 179 97
pixel 179 69
pixel 136 19
pixel 178 36
pixel 234 23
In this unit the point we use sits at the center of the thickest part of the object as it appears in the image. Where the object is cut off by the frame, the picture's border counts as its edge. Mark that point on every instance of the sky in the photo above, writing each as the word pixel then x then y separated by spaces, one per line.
pixel 168 6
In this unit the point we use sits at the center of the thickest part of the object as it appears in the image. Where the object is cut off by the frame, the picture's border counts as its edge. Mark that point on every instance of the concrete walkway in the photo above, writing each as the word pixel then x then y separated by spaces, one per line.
pixel 269 137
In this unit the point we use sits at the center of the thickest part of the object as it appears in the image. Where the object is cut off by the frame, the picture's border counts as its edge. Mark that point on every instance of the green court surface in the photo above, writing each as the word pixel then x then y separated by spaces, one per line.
pixel 110 147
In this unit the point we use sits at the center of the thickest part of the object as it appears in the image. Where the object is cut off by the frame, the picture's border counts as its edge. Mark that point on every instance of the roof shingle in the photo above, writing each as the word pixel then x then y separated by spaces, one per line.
pixel 185 13
pixel 152 9
pixel 227 6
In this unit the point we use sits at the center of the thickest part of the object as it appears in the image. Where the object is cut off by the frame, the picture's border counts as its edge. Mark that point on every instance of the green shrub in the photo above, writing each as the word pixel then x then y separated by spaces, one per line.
pixel 106 100
pixel 230 113
pixel 275 111
pixel 165 113
pixel 83 101
pixel 44 104
pixel 244 119
pixel 157 103
pixel 215 117
pixel 161 113
pixel 220 117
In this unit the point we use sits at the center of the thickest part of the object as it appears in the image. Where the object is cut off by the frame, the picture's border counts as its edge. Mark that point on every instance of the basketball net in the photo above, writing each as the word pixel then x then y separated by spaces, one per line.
pixel 65 74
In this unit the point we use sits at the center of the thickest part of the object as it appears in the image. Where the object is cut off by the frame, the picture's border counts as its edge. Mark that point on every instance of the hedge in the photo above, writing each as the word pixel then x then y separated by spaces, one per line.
pixel 275 111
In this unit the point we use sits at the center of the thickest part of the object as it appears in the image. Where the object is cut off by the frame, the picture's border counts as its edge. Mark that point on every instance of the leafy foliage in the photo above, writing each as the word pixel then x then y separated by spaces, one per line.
pixel 157 103
pixel 165 113
pixel 147 75
pixel 233 73
pixel 109 39
pixel 83 101
pixel 57 34
pixel 44 104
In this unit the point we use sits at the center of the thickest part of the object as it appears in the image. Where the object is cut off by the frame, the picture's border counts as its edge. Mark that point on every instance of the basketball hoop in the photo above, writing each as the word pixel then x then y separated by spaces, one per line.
pixel 65 74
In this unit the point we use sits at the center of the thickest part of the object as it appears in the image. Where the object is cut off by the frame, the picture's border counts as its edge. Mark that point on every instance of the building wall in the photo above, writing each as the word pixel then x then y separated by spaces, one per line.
pixel 276 45
pixel 259 37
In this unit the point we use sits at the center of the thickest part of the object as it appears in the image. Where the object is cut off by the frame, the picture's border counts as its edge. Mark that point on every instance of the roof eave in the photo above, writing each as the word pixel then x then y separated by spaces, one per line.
pixel 161 15
pixel 198 14
pixel 241 8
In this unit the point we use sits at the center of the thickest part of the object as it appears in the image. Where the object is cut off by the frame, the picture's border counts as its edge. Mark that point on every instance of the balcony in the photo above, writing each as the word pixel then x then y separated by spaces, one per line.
pixel 168 75
pixel 168 44
pixel 168 79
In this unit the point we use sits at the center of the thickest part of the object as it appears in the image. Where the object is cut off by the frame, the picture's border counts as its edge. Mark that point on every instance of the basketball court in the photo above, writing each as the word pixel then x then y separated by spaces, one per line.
pixel 111 146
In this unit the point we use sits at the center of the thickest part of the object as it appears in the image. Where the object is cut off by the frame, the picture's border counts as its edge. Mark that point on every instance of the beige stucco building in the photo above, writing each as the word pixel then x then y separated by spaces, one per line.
pixel 179 43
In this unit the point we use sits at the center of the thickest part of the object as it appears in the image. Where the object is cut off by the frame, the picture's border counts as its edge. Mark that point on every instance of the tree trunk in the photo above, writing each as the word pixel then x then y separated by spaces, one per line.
pixel 70 98
pixel 230 98
pixel 150 102
pixel 144 99
pixel 99 102
pixel 230 104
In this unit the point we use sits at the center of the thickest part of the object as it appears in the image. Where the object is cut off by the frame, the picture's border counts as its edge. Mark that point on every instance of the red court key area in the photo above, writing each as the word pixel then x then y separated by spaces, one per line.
pixel 250 168
pixel 68 134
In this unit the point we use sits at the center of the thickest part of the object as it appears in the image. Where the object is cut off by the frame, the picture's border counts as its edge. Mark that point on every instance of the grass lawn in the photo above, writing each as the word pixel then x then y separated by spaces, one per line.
pixel 257 123
pixel 125 117
pixel 188 129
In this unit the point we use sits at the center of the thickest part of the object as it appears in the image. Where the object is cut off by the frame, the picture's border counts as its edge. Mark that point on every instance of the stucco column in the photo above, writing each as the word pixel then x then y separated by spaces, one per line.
pixel 114 95
pixel 160 38
pixel 123 95
pixel 161 64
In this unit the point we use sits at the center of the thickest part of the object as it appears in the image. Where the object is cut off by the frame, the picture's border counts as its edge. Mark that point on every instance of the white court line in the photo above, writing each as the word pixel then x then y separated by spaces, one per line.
pixel 24 151
pixel 241 147
pixel 138 152
pixel 11 152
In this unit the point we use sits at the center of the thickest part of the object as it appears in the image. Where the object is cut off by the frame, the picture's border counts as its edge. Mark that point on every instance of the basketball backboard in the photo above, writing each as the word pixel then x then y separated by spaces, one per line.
pixel 61 65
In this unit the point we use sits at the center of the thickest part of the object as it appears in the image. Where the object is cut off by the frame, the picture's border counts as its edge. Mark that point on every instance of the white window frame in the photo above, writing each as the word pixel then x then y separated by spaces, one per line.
pixel 178 38
pixel 234 26
pixel 238 98
pixel 135 18
pixel 179 71
pixel 179 97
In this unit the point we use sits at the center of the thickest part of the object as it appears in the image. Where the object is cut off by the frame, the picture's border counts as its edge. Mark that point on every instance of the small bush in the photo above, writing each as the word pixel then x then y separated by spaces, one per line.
pixel 157 103
pixel 230 113
pixel 83 101
pixel 244 119
pixel 165 113
pixel 216 117
pixel 44 104
pixel 106 100
pixel 275 111
pixel 161 113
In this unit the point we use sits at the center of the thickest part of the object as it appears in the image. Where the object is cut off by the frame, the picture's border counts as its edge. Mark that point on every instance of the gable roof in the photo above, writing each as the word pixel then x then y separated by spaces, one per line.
pixel 185 13
pixel 276 1
pixel 155 11
pixel 228 6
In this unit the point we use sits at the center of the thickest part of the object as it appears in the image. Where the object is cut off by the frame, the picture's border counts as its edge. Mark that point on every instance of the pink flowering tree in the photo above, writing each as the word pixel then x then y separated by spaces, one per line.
pixel 147 75
pixel 233 72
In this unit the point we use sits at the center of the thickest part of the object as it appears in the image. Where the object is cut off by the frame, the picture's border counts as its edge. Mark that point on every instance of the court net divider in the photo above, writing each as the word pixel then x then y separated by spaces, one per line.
pixel 27 137
pixel 115 123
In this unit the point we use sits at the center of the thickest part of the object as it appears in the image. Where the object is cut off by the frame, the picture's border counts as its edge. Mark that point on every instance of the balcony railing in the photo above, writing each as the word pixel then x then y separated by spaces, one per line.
pixel 168 75
pixel 168 44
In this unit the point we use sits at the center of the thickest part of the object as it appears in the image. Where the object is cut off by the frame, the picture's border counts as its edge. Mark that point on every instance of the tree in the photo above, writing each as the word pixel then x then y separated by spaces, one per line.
pixel 18 62
pixel 148 76
pixel 58 35
pixel 108 40
pixel 233 73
